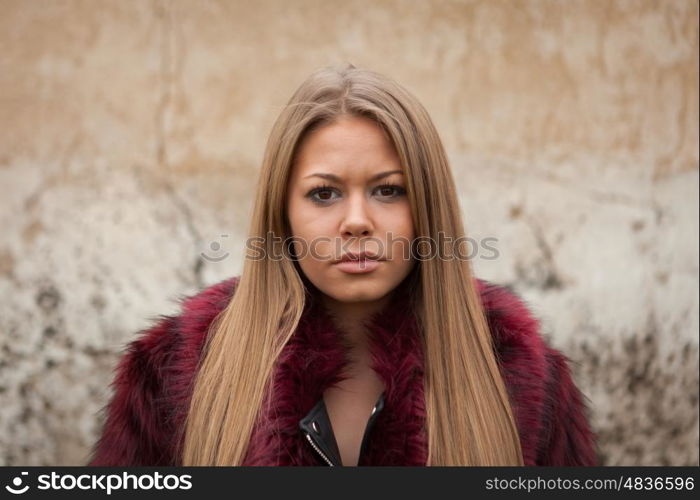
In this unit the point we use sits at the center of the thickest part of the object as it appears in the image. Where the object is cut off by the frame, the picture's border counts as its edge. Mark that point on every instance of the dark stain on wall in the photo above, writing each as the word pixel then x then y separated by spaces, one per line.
pixel 652 395
pixel 48 298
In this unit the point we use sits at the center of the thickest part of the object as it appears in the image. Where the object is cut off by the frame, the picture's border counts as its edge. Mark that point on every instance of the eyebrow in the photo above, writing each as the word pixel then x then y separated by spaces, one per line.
pixel 335 178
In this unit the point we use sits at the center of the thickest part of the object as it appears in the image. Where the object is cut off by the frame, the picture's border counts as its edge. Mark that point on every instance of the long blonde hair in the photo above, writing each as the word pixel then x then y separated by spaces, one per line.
pixel 469 418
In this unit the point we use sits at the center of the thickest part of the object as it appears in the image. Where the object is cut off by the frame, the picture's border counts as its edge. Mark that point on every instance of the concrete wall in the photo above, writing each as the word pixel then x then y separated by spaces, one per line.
pixel 132 134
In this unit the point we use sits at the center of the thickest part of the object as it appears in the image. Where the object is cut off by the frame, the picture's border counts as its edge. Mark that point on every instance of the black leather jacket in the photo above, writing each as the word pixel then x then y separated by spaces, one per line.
pixel 317 429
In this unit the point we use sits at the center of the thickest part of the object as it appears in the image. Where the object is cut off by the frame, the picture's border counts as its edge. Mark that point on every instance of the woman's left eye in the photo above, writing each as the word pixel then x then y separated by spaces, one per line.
pixel 390 190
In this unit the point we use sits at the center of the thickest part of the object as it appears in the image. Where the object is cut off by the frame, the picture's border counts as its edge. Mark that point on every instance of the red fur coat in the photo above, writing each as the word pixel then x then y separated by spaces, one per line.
pixel 152 387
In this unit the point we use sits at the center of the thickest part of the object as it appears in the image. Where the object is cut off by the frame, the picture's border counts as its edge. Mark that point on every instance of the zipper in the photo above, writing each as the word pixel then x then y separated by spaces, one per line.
pixel 319 414
pixel 318 450
pixel 315 427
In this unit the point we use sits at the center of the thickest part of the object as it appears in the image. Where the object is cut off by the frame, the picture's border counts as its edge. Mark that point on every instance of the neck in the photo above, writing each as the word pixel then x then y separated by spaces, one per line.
pixel 349 317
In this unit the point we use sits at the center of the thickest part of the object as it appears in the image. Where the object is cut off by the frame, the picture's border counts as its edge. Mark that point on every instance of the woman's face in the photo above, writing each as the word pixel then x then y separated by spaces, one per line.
pixel 346 195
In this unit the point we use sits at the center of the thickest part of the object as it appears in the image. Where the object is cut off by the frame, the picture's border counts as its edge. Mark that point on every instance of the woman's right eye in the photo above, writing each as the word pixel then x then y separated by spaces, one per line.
pixel 321 194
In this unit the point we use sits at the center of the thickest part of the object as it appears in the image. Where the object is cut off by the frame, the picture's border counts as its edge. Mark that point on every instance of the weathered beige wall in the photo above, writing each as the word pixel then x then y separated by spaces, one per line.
pixel 132 132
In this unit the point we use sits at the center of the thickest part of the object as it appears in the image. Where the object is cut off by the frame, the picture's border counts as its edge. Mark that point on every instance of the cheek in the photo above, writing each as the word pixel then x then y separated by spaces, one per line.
pixel 306 220
pixel 300 224
pixel 309 235
pixel 295 214
pixel 403 233
pixel 400 222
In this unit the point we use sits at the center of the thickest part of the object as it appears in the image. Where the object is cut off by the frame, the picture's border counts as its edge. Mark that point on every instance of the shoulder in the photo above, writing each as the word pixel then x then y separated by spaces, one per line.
pixel 520 346
pixel 187 330
pixel 199 310
pixel 550 411
pixel 515 331
pixel 165 355
pixel 152 381
pixel 522 353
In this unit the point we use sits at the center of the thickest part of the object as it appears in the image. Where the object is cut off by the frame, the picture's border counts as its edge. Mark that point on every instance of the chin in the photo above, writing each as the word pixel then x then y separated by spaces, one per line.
pixel 358 292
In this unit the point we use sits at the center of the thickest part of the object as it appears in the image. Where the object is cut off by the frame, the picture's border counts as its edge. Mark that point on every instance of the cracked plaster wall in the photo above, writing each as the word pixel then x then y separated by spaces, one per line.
pixel 133 131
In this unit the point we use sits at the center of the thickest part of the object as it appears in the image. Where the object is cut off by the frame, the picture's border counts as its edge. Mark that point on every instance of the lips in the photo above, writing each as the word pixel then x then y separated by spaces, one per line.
pixel 360 266
pixel 350 257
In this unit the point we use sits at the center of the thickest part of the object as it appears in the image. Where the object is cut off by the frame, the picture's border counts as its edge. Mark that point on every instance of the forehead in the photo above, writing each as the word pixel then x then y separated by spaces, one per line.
pixel 350 143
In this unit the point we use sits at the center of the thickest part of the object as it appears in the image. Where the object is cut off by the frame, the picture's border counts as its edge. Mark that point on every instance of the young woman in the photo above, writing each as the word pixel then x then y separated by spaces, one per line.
pixel 351 337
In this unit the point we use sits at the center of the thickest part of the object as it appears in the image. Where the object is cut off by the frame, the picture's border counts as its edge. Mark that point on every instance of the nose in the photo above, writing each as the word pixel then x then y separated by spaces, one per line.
pixel 357 220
